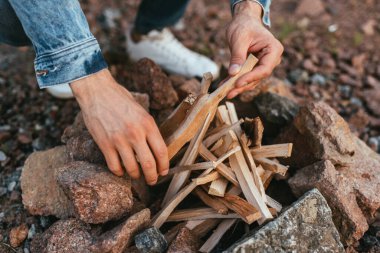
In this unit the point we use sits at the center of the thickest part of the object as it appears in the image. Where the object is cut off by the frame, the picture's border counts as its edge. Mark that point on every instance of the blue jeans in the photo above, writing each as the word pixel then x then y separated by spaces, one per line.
pixel 66 50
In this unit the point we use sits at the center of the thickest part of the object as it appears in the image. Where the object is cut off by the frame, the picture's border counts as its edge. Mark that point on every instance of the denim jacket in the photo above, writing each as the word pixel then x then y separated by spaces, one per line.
pixel 65 48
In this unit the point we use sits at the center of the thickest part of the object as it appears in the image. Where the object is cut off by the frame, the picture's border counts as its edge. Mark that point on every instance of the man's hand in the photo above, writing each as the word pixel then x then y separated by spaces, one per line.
pixel 123 130
pixel 247 34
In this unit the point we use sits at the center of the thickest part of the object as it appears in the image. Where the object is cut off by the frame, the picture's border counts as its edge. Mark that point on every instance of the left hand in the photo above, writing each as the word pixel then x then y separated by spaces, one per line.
pixel 247 34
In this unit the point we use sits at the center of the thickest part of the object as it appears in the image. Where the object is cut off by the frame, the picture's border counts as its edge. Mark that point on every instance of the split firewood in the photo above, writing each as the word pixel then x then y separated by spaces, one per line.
pixel 192 167
pixel 206 82
pixel 272 151
pixel 214 239
pixel 212 202
pixel 272 166
pixel 206 179
pixel 199 214
pixel 254 129
pixel 202 227
pixel 245 178
pixel 274 204
pixel 222 131
pixel 199 110
pixel 218 187
pixel 190 155
pixel 240 206
pixel 221 168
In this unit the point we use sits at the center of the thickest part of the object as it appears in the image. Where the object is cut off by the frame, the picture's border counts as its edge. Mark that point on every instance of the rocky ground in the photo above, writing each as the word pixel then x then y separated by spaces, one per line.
pixel 331 55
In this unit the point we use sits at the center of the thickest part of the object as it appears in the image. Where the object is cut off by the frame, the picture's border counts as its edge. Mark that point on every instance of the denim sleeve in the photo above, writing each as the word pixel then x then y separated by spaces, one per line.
pixel 265 4
pixel 65 48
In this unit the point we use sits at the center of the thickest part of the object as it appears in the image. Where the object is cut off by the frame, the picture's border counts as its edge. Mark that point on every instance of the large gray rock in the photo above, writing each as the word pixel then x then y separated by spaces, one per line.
pixel 306 226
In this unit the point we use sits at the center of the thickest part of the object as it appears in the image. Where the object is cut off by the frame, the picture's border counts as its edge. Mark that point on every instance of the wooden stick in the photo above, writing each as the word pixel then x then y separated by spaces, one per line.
pixel 190 155
pixel 272 151
pixel 272 166
pixel 267 178
pixel 206 179
pixel 222 132
pixel 254 129
pixel 192 167
pixel 202 227
pixel 274 204
pixel 214 203
pixel 206 82
pixel 161 217
pixel 244 176
pixel 198 112
pixel 198 214
pixel 218 187
pixel 213 240
pixel 240 206
pixel 221 168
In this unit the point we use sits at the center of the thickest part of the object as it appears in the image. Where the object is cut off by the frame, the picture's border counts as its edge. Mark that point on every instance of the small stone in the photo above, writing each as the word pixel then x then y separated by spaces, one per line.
pixel 298 76
pixel 24 139
pixel 345 91
pixel 151 241
pixel 372 100
pixel 11 186
pixel 369 27
pixel 373 143
pixel 31 232
pixel 93 189
pixel 356 102
pixel 372 82
pixel 18 235
pixel 311 8
pixel 306 226
pixel 75 129
pixel 82 147
pixel 3 191
pixel 3 157
pixel 318 79
pixel 309 65
pixel 185 242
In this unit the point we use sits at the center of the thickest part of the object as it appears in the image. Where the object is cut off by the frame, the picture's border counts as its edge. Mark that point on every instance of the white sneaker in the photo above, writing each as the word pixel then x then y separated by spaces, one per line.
pixel 163 48
pixel 62 91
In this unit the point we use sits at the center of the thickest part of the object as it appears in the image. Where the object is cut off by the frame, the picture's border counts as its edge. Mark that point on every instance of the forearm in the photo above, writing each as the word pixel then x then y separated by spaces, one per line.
pixel 65 48
pixel 239 5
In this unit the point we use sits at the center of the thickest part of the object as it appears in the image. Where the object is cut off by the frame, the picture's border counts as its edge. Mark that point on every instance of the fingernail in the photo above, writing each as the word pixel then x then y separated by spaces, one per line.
pixel 234 69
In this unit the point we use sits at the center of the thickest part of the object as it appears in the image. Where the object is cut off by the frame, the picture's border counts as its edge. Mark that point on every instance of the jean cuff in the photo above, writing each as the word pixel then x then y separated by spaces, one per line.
pixel 265 5
pixel 70 63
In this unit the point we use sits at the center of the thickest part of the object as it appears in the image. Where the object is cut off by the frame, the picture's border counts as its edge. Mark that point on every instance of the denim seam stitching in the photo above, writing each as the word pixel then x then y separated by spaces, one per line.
pixel 88 41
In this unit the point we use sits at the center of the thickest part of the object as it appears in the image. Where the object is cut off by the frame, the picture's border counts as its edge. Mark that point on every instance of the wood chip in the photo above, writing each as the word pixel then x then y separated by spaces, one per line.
pixel 272 151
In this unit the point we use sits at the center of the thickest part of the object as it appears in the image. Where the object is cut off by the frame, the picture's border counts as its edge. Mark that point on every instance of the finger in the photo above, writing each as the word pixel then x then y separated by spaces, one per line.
pixel 267 62
pixel 236 91
pixel 113 161
pixel 147 162
pixel 129 161
pixel 239 49
pixel 160 151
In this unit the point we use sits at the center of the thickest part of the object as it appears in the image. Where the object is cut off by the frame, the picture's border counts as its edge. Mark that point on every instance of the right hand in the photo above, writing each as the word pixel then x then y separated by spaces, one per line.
pixel 122 129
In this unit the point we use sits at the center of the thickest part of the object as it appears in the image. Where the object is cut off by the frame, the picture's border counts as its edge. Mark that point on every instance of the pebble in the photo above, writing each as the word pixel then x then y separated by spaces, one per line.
pixel 3 191
pixel 319 79
pixel 356 101
pixel 32 231
pixel 373 143
pixel 298 75
pixel 345 91
pixel 3 157
pixel 11 186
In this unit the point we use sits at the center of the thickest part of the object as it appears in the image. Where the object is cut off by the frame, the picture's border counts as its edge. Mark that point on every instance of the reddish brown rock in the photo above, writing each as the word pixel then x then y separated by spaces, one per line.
pixel 273 85
pixel 347 215
pixel 41 195
pixel 97 195
pixel 185 242
pixel 64 236
pixel 82 147
pixel 121 237
pixel 318 133
pixel 142 99
pixel 192 86
pixel 372 100
pixel 311 8
pixel 350 180
pixel 147 77
pixel 75 129
pixel 18 235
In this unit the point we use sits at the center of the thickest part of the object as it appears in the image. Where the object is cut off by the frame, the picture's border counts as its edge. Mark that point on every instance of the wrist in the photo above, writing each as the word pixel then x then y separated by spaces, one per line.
pixel 83 89
pixel 250 8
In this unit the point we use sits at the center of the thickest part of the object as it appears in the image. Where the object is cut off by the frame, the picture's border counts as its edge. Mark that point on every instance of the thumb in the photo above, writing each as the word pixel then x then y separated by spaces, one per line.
pixel 238 57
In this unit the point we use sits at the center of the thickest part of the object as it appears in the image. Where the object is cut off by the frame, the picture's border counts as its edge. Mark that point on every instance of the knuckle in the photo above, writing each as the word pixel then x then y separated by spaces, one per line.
pixel 148 165
pixel 162 153
pixel 148 121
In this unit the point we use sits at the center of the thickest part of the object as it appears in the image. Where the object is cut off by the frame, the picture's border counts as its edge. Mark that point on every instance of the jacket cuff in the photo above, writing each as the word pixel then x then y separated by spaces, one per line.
pixel 265 5
pixel 68 64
